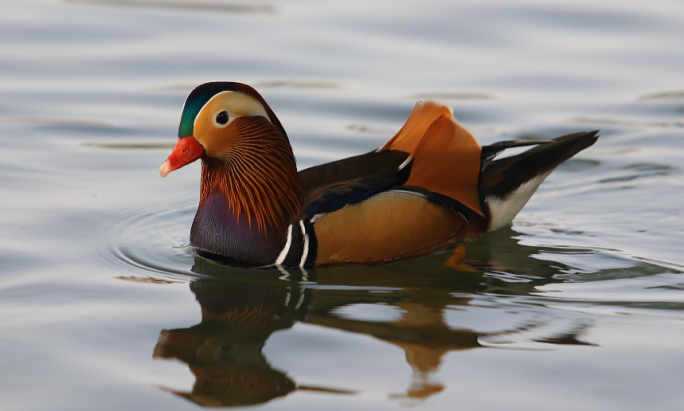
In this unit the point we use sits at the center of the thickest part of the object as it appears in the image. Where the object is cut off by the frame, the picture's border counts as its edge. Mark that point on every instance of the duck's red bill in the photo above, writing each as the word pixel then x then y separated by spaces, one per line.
pixel 187 150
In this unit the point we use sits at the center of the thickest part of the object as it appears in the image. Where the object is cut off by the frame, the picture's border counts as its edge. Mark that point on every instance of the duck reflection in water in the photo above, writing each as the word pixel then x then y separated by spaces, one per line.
pixel 242 308
pixel 224 351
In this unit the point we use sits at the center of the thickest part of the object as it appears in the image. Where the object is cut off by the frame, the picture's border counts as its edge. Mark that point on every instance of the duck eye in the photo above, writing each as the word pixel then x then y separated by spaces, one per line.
pixel 222 118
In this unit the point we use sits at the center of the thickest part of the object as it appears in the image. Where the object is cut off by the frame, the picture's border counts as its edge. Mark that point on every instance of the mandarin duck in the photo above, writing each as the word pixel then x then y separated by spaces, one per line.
pixel 429 187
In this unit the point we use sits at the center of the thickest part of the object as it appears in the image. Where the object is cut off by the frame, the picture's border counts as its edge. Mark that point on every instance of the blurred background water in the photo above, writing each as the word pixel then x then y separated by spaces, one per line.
pixel 577 306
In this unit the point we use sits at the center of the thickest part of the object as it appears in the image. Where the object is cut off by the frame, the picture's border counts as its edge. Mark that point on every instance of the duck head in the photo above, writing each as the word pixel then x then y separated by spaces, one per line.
pixel 249 188
pixel 208 122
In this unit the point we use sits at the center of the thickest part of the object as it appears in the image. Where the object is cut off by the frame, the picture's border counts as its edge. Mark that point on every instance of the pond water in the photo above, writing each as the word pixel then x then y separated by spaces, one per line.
pixel 577 306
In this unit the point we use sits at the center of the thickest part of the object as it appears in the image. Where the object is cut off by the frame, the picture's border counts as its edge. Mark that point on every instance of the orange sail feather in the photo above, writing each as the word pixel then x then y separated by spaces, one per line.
pixel 446 157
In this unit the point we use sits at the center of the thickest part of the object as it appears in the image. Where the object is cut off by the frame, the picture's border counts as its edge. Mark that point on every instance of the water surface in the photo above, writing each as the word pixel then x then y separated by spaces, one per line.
pixel 578 305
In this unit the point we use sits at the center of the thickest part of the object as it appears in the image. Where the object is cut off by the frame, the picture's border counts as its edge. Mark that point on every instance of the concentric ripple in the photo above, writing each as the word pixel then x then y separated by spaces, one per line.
pixel 152 239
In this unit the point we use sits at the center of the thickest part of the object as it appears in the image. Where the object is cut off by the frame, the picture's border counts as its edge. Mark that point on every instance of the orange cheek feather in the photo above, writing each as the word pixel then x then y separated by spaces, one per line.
pixel 187 150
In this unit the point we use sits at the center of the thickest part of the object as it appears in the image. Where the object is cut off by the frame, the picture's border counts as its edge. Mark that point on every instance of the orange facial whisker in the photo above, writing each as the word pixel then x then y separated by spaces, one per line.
pixel 257 176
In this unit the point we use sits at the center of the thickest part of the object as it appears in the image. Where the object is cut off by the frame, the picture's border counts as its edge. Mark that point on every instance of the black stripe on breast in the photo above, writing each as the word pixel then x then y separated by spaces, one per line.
pixel 294 255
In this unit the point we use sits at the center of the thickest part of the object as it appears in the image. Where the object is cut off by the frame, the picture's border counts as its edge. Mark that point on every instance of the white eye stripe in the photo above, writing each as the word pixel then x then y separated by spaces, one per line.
pixel 234 103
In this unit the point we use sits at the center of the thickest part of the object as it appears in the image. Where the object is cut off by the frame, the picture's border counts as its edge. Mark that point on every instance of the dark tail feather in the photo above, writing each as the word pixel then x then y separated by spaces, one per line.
pixel 501 177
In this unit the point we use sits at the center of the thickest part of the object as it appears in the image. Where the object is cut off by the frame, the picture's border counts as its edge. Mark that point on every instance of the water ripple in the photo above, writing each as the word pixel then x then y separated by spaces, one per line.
pixel 152 240
pixel 668 95
pixel 624 122
pixel 455 95
pixel 186 5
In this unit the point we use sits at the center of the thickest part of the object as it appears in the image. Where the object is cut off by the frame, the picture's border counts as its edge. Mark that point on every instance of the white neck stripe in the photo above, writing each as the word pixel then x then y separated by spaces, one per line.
pixel 288 244
pixel 305 251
